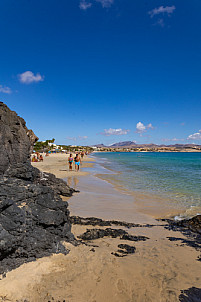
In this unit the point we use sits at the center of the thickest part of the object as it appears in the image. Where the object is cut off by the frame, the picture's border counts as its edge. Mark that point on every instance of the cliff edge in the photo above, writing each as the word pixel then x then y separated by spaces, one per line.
pixel 33 218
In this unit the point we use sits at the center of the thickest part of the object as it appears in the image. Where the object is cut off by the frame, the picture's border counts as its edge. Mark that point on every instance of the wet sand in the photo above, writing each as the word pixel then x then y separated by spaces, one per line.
pixel 151 204
pixel 157 271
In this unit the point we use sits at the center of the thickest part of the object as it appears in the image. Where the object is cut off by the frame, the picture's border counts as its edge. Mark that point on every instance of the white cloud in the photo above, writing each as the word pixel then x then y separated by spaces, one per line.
pixel 160 22
pixel 141 128
pixel 172 139
pixel 28 77
pixel 5 89
pixel 77 138
pixel 83 137
pixel 108 132
pixel 85 5
pixel 195 136
pixel 105 3
pixel 149 126
pixel 71 138
pixel 162 10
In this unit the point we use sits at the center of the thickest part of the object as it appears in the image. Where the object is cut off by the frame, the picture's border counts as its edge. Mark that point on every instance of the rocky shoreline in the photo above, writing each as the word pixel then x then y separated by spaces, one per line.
pixel 189 227
pixel 33 218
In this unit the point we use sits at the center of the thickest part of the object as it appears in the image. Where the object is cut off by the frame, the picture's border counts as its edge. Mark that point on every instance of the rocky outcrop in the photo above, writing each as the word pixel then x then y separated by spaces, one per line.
pixel 190 226
pixel 16 140
pixel 192 294
pixel 193 224
pixel 124 250
pixel 33 218
pixel 92 234
pixel 100 222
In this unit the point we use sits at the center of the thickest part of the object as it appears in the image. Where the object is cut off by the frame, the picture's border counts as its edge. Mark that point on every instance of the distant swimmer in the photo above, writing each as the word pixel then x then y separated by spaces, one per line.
pixel 70 161
pixel 77 162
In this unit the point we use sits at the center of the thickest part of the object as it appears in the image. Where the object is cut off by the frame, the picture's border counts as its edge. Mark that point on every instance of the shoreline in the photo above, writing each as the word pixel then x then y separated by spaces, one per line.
pixel 153 205
pixel 157 271
pixel 150 204
pixel 156 205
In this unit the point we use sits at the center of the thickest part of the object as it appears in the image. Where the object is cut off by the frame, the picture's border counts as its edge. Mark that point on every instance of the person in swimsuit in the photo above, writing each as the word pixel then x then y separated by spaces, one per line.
pixel 77 162
pixel 34 159
pixel 70 161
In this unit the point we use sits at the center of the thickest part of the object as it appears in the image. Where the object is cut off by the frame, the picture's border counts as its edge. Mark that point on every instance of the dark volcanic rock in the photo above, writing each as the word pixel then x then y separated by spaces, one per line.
pixel 128 248
pixel 191 228
pixel 124 250
pixel 114 233
pixel 15 139
pixel 100 222
pixel 192 294
pixel 33 218
pixel 58 185
pixel 192 243
pixel 192 224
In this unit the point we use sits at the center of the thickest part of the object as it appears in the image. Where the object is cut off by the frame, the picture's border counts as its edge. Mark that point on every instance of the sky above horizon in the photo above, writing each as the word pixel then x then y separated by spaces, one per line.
pixel 103 71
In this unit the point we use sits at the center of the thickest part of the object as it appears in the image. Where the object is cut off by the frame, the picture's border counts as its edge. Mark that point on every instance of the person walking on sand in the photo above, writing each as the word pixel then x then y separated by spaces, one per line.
pixel 70 161
pixel 77 162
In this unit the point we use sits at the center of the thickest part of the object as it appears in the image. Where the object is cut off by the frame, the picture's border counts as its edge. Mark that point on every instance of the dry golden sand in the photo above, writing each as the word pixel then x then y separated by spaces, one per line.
pixel 58 165
pixel 156 272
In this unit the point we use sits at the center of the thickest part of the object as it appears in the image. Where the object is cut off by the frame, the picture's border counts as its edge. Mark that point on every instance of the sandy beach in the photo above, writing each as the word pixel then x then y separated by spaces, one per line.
pixel 157 272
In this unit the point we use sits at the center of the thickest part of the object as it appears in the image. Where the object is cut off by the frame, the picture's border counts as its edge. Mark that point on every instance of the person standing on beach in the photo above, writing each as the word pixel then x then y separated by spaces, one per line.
pixel 41 158
pixel 82 154
pixel 70 161
pixel 77 162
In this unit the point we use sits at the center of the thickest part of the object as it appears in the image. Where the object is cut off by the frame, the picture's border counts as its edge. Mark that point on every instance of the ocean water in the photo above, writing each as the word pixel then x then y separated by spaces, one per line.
pixel 173 176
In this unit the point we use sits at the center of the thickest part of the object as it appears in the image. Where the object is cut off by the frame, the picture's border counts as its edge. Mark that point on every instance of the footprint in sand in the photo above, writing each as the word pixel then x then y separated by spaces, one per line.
pixel 121 286
pixel 98 279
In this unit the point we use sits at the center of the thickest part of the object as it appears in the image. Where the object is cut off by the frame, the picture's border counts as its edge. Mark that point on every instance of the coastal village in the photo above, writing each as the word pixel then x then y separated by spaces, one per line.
pixel 50 146
pixel 146 148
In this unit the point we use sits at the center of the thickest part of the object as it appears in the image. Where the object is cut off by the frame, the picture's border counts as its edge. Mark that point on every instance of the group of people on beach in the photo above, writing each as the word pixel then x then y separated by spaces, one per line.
pixel 77 160
pixel 37 157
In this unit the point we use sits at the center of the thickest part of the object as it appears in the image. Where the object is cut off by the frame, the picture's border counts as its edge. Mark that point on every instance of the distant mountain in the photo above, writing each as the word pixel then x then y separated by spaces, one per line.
pixel 124 144
pixel 131 144
pixel 151 145
pixel 99 146
pixel 184 145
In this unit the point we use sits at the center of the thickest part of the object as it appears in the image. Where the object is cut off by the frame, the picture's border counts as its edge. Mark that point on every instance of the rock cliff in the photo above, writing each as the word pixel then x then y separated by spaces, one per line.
pixel 33 218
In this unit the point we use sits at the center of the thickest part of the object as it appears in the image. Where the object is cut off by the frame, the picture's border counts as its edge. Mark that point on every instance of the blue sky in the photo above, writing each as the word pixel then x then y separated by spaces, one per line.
pixel 103 71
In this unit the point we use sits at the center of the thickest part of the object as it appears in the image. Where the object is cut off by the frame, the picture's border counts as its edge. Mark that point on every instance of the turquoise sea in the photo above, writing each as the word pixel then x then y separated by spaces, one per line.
pixel 173 176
